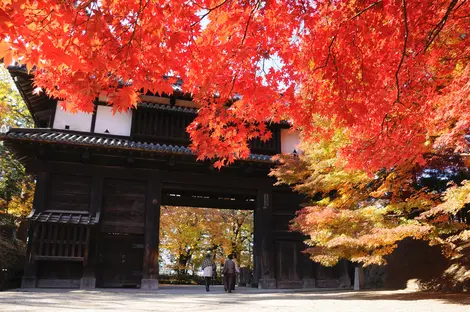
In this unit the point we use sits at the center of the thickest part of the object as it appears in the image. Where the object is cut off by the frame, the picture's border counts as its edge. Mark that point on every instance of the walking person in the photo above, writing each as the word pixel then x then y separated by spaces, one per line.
pixel 208 268
pixel 236 275
pixel 214 276
pixel 229 273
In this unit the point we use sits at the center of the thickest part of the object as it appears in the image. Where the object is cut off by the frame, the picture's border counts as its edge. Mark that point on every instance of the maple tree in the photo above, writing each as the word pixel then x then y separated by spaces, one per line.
pixel 233 234
pixel 181 235
pixel 353 215
pixel 393 73
pixel 187 234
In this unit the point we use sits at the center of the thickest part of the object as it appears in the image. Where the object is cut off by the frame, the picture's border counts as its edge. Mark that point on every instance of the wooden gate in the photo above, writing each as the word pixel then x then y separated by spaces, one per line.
pixel 120 260
pixel 121 245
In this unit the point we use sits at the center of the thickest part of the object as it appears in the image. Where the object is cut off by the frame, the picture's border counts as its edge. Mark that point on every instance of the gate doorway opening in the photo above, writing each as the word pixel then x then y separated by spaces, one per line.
pixel 194 224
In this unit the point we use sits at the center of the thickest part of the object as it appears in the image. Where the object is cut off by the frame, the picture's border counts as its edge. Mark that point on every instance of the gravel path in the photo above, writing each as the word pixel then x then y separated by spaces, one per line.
pixel 194 298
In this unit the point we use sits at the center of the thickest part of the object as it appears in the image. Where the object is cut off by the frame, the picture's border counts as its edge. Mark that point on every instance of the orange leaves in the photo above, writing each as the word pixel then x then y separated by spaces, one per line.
pixel 122 98
pixel 8 58
pixel 6 53
pixel 284 59
pixel 219 164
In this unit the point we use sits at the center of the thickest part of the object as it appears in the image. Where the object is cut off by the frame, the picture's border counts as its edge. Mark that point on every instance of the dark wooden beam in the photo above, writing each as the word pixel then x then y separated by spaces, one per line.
pixel 56 258
pixel 199 189
pixel 88 280
pixel 206 179
pixel 39 204
pixel 93 119
pixel 152 232
pixel 40 194
pixel 196 202
pixel 264 251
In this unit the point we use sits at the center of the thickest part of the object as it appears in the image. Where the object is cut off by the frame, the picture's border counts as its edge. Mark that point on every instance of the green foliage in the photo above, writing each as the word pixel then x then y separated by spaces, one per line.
pixel 185 279
pixel 16 187
pixel 11 250
pixel 180 279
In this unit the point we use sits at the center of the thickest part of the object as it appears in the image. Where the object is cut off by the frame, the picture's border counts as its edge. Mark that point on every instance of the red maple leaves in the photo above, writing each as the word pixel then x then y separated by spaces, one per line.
pixel 394 73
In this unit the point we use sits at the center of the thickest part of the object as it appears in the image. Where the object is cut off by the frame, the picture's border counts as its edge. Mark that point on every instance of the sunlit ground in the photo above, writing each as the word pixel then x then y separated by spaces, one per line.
pixel 194 298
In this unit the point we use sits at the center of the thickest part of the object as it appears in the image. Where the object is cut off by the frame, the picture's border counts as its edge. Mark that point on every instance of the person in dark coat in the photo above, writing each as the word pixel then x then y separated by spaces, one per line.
pixel 229 273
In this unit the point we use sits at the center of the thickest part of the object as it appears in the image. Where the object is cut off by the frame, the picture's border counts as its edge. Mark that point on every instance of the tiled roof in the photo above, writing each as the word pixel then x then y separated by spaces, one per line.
pixel 93 140
pixel 39 105
pixel 70 217
pixel 167 107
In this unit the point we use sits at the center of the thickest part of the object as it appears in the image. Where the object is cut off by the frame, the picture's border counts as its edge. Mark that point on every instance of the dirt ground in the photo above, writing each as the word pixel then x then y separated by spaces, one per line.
pixel 195 298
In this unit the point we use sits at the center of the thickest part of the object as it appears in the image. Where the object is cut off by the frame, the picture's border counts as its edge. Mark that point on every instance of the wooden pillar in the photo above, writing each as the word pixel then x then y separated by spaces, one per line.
pixel 29 276
pixel 308 272
pixel 39 204
pixel 264 242
pixel 152 228
pixel 88 280
pixel 344 278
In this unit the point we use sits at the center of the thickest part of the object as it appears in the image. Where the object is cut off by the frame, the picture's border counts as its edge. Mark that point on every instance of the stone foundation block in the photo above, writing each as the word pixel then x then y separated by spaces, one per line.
pixel 327 283
pixel 28 282
pixel 88 283
pixel 149 284
pixel 267 283
pixel 309 283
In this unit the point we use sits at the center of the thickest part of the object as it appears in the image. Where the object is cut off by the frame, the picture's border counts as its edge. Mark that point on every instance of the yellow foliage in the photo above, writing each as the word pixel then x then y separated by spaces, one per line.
pixel 353 215
pixel 187 234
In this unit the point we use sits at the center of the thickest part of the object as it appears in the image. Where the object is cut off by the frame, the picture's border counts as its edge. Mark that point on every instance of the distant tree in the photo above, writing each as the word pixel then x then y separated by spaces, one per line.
pixel 181 230
pixel 188 234
pixel 16 187
pixel 233 235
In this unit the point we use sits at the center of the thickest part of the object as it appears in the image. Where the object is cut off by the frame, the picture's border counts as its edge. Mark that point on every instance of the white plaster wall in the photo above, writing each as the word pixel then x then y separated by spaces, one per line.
pixel 116 124
pixel 289 141
pixel 78 121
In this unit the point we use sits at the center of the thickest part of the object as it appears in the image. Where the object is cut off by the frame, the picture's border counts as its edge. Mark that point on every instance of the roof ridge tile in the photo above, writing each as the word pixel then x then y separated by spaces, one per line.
pixel 53 136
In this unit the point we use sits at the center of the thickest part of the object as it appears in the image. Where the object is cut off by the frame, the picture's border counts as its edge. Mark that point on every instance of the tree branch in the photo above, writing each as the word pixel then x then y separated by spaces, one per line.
pixel 340 25
pixel 366 9
pixel 328 55
pixel 437 29
pixel 209 11
pixel 249 19
pixel 405 43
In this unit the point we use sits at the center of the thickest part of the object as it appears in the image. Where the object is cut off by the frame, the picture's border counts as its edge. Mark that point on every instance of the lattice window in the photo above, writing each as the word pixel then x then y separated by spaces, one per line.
pixel 61 242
